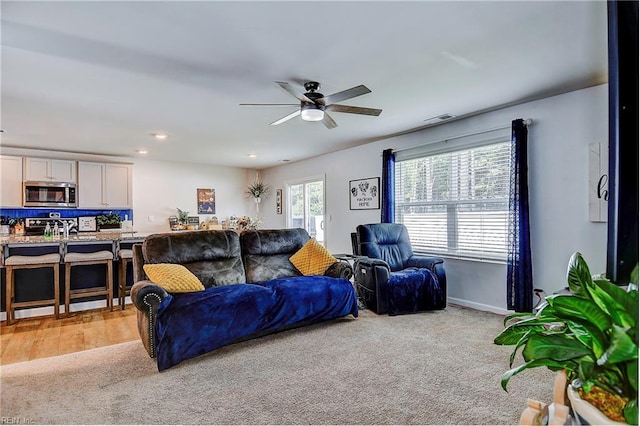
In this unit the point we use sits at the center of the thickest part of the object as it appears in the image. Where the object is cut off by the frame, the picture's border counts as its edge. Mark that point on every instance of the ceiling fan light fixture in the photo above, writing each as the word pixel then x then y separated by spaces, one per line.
pixel 312 112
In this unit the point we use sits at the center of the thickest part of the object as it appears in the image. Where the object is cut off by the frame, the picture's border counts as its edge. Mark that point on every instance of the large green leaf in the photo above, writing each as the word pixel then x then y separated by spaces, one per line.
pixel 559 347
pixel 634 276
pixel 631 412
pixel 605 301
pixel 518 315
pixel 589 335
pixel 621 349
pixel 513 333
pixel 632 374
pixel 550 363
pixel 581 310
pixel 578 275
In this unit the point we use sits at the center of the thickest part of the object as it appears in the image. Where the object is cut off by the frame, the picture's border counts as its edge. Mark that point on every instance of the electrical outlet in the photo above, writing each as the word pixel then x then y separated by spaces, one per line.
pixel 150 218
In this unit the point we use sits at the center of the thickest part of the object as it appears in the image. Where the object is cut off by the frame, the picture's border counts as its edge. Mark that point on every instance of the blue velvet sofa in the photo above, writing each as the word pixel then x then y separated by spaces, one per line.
pixel 251 289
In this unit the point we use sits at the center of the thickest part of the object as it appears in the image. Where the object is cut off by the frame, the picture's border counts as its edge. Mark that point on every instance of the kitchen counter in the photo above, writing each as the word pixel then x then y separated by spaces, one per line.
pixel 83 236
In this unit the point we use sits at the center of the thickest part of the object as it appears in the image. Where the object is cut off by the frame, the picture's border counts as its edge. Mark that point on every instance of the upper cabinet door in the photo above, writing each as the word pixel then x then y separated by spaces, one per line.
pixel 10 181
pixel 90 185
pixel 117 185
pixel 49 170
pixel 104 185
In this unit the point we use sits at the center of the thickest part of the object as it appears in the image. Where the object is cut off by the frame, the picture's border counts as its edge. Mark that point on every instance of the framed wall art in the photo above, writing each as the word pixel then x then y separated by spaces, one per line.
pixel 278 201
pixel 364 194
pixel 206 201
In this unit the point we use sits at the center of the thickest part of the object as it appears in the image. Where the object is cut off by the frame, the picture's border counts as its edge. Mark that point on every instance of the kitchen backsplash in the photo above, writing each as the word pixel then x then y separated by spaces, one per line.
pixel 40 212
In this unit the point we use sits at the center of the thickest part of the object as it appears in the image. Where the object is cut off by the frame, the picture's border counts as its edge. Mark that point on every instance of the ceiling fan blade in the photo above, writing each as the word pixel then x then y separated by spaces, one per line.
pixel 274 105
pixel 345 94
pixel 286 86
pixel 353 109
pixel 287 117
pixel 328 121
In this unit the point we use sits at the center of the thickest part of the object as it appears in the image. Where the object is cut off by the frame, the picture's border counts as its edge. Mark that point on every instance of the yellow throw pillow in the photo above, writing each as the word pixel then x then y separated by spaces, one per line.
pixel 312 258
pixel 173 278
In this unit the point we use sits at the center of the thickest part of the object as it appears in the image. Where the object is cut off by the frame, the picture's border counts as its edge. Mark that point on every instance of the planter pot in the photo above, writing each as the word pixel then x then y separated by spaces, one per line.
pixel 585 413
pixel 110 226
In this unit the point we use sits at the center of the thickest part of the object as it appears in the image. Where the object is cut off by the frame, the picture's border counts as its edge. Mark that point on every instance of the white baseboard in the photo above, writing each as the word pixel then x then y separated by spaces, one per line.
pixel 75 307
pixel 479 306
pixel 97 304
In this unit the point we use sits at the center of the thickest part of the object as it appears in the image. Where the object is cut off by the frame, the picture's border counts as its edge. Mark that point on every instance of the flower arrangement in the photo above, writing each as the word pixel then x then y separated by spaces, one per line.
pixel 246 222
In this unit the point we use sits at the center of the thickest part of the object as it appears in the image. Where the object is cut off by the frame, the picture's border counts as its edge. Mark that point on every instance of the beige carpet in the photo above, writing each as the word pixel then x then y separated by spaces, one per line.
pixel 430 368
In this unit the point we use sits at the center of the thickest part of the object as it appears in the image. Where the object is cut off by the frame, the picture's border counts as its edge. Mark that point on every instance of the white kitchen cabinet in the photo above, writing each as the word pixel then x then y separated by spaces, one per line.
pixel 49 170
pixel 104 185
pixel 11 181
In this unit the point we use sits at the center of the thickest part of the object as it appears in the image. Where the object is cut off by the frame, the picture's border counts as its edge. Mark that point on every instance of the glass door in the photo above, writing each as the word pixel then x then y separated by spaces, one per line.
pixel 305 199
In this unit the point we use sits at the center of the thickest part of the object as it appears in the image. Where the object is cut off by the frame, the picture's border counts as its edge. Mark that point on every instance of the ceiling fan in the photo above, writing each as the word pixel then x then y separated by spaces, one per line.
pixel 314 105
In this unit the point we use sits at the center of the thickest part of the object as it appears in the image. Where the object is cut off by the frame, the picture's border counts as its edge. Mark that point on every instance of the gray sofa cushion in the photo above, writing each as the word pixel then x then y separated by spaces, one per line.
pixel 266 252
pixel 212 256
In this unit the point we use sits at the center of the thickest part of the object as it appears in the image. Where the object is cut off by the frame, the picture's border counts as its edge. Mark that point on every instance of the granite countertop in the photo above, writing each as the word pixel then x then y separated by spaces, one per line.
pixel 83 236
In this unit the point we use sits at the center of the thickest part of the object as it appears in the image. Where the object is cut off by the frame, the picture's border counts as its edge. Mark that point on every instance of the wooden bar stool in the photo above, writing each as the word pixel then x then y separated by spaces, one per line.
pixel 125 256
pixel 94 258
pixel 13 263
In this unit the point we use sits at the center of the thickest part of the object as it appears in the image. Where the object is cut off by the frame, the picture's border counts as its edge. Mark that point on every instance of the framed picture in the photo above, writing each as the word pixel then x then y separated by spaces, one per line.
pixel 278 201
pixel 364 194
pixel 206 201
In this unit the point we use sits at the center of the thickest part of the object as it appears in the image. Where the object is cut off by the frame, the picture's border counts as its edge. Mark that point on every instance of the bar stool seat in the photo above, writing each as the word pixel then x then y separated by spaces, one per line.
pixel 94 258
pixel 13 263
pixel 126 257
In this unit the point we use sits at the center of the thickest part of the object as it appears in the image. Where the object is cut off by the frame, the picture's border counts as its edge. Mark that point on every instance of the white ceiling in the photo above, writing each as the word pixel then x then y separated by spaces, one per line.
pixel 100 77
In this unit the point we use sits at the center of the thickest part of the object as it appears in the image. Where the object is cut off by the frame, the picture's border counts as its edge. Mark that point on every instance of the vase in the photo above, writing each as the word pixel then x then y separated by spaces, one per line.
pixel 586 413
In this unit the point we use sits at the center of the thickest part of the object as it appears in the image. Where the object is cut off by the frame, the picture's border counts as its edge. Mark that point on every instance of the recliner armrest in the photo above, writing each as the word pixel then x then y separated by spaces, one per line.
pixel 424 261
pixel 435 265
pixel 370 262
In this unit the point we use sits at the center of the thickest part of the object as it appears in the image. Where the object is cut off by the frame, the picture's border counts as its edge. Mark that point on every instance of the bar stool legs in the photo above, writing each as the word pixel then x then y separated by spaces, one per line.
pixel 126 257
pixel 95 258
pixel 13 263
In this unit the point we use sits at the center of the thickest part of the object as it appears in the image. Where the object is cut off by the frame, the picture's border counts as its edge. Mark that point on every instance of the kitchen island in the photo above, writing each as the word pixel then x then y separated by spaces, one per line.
pixel 37 284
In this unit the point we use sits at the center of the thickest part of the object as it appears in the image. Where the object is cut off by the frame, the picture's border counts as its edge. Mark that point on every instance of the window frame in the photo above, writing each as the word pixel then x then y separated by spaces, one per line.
pixel 451 145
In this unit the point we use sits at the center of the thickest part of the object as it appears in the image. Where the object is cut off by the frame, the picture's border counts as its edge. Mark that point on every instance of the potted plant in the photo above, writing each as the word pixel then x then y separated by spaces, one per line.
pixel 108 221
pixel 257 190
pixel 590 333
pixel 182 218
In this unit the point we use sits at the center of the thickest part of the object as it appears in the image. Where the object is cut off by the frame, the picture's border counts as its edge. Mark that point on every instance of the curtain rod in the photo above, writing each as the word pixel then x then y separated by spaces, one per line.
pixel 527 122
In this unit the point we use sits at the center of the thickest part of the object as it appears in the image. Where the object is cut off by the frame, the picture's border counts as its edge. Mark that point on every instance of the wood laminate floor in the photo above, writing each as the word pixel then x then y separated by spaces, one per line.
pixel 45 336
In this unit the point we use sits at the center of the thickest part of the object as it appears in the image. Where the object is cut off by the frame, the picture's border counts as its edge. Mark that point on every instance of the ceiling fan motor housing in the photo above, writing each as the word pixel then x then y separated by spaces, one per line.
pixel 311 86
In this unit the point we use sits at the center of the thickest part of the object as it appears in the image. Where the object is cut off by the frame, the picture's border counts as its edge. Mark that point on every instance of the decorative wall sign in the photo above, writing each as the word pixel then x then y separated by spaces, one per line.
pixel 598 182
pixel 206 201
pixel 278 201
pixel 364 194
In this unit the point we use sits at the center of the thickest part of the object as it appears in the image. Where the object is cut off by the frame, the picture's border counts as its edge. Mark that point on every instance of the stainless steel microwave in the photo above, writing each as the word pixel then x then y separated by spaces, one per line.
pixel 50 194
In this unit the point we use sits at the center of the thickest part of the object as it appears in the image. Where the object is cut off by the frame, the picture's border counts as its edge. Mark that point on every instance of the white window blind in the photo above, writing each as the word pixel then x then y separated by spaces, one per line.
pixel 456 203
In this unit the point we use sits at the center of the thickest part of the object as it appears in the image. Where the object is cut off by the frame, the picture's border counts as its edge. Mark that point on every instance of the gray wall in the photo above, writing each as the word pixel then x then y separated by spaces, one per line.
pixel 563 127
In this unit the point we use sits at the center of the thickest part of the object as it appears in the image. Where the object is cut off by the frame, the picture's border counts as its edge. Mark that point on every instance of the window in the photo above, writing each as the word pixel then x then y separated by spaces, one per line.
pixel 456 202
pixel 305 202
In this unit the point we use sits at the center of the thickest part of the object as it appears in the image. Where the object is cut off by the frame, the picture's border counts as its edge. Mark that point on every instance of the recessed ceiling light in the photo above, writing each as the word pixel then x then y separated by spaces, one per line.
pixel 141 151
pixel 160 136
pixel 252 155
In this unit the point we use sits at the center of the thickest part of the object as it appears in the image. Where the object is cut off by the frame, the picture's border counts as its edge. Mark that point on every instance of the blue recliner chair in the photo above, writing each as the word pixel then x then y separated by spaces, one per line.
pixel 391 279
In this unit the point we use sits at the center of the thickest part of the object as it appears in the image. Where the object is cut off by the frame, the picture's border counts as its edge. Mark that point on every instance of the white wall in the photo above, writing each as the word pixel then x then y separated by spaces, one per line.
pixel 159 187
pixel 563 127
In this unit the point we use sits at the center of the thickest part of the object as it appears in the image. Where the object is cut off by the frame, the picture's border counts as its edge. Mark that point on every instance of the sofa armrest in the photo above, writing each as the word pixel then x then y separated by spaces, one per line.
pixel 146 297
pixel 340 269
